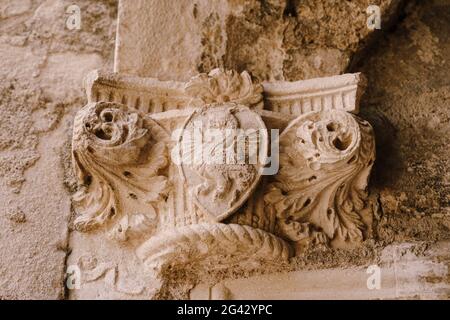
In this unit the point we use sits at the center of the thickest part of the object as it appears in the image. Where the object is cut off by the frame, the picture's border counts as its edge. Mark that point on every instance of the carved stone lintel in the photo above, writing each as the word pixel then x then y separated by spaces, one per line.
pixel 131 186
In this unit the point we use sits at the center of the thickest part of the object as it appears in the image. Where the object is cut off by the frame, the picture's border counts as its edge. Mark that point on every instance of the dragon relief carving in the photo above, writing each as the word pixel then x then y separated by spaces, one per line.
pixel 180 212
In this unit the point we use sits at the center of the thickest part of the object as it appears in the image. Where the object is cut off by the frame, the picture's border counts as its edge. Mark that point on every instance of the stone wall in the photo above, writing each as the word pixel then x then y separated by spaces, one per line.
pixel 41 71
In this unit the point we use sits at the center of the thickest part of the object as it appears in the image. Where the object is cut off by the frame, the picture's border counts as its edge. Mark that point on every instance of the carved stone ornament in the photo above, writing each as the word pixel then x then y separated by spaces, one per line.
pixel 180 170
pixel 220 187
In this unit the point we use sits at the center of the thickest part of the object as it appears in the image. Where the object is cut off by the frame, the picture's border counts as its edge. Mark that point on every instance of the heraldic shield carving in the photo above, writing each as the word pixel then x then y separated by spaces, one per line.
pixel 220 146
pixel 223 166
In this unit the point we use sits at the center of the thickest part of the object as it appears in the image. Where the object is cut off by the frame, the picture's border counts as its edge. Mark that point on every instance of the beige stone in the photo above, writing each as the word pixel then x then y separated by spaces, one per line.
pixel 274 40
pixel 42 67
pixel 276 43
pixel 203 206
pixel 131 190
pixel 403 274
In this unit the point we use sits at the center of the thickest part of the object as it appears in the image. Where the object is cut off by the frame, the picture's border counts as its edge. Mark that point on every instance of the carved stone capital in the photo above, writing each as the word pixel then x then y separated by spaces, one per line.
pixel 173 212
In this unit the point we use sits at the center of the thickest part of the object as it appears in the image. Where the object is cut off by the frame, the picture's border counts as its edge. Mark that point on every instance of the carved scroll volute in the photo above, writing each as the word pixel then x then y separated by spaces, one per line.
pixel 320 192
pixel 119 158
pixel 222 180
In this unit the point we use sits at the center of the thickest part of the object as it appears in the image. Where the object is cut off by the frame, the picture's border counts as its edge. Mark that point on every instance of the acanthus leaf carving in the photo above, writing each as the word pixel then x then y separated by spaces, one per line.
pixel 118 157
pixel 325 161
pixel 132 188
pixel 216 239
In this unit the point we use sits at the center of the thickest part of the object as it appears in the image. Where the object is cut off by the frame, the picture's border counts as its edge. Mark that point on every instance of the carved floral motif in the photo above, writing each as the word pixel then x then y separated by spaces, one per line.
pixel 177 213
pixel 118 158
pixel 320 190
pixel 224 86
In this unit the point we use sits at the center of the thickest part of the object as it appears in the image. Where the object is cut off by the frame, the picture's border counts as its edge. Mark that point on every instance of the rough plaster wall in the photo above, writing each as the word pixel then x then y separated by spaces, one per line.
pixel 41 70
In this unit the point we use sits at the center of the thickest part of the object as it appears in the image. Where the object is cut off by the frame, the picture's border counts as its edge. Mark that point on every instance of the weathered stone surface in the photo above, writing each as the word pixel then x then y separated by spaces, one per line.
pixel 406 103
pixel 273 40
pixel 405 271
pixel 42 66
pixel 198 206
